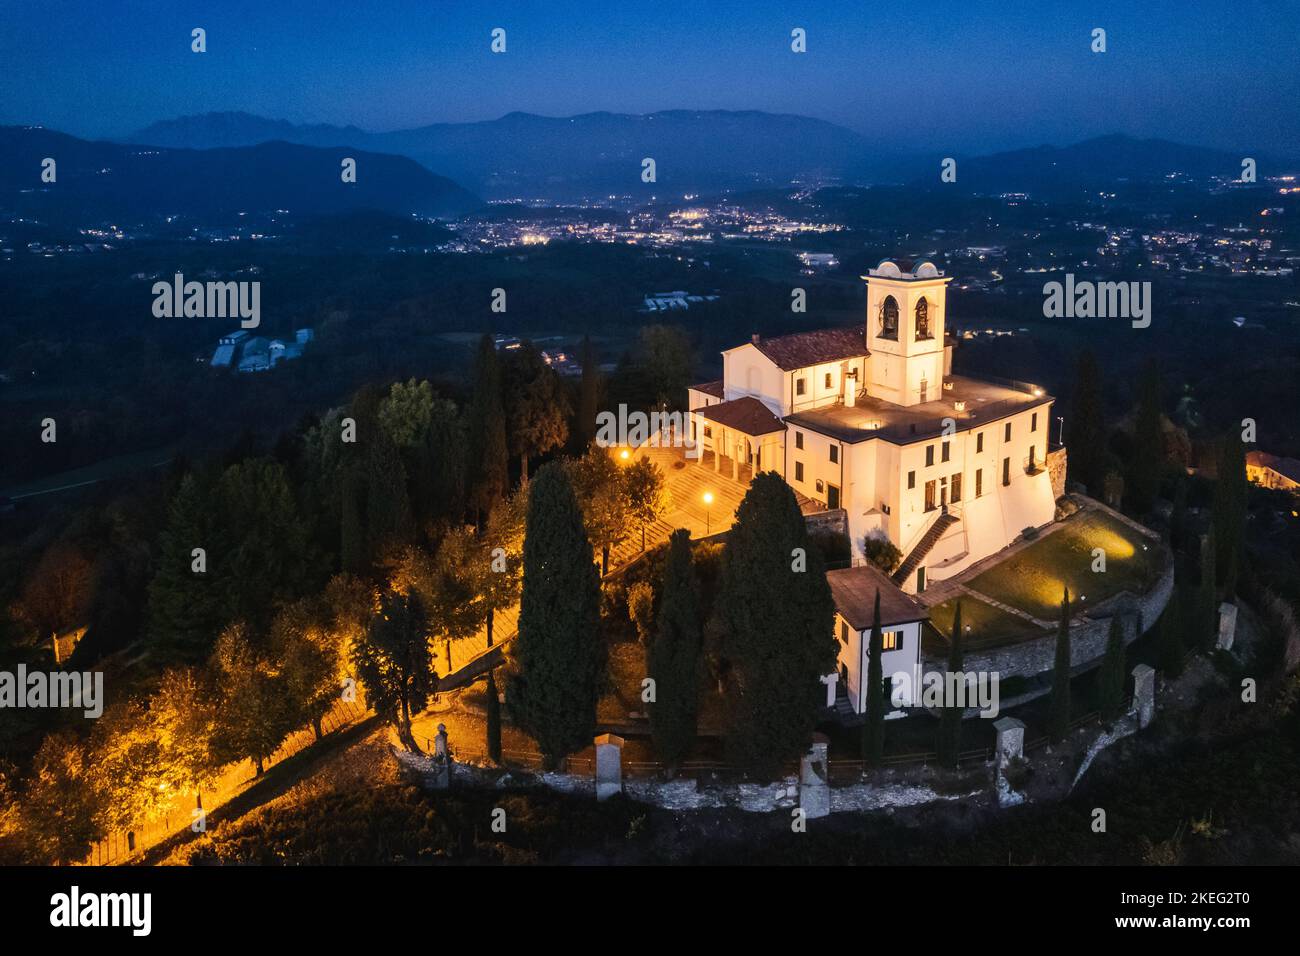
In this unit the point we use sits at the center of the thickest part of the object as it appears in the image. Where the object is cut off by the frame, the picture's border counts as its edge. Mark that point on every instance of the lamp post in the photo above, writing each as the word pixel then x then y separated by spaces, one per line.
pixel 708 513
pixel 1060 431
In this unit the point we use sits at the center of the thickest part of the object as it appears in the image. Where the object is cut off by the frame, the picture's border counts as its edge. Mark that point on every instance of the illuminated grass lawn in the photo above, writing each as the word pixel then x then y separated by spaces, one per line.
pixel 1033 579
pixel 984 625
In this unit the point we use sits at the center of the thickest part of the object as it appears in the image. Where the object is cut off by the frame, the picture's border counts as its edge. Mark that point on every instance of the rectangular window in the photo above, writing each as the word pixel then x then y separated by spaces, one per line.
pixel 708 431
pixel 1033 459
pixel 929 455
pixel 835 454
pixel 1006 471
pixel 1033 422
pixel 956 487
pixel 798 471
pixel 945 454
pixel 979 443
pixel 979 482
pixel 930 496
pixel 911 480
pixel 829 380
pixel 692 430
pixel 844 632
pixel 890 640
pixel 799 386
pixel 798 440
pixel 1007 432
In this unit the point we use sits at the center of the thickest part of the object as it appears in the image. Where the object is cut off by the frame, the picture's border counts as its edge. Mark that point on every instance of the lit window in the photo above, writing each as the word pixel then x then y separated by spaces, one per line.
pixel 891 641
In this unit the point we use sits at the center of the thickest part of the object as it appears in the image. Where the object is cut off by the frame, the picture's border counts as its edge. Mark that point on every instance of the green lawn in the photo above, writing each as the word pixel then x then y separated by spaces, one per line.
pixel 1033 579
pixel 984 626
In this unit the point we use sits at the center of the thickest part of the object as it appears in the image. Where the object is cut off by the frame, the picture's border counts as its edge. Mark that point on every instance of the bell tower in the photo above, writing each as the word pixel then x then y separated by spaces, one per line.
pixel 906 305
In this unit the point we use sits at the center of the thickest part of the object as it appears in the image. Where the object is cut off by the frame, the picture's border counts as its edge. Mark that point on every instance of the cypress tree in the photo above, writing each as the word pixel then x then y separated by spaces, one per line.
pixel 1230 515
pixel 488 453
pixel 493 720
pixel 1147 463
pixel 589 394
pixel 1059 718
pixel 1086 436
pixel 873 730
pixel 1110 677
pixel 186 607
pixel 1207 604
pixel 558 655
pixel 1173 621
pixel 950 719
pixel 775 622
pixel 674 655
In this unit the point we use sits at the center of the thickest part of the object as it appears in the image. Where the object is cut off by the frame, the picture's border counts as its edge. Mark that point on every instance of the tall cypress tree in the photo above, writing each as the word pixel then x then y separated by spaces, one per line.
pixel 674 661
pixel 950 718
pixel 1207 605
pixel 1148 460
pixel 1174 621
pixel 493 720
pixel 489 456
pixel 1086 437
pixel 589 394
pixel 775 623
pixel 1059 718
pixel 873 730
pixel 1230 514
pixel 187 607
pixel 558 656
pixel 1110 678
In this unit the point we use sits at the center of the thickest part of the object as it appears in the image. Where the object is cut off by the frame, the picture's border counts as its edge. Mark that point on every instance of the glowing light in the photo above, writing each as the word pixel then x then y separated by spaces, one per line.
pixel 708 497
pixel 623 454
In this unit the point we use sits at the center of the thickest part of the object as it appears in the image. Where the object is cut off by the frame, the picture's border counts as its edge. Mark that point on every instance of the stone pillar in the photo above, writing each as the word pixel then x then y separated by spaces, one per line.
pixel 814 782
pixel 1011 740
pixel 1144 694
pixel 830 680
pixel 609 766
pixel 441 760
pixel 1227 626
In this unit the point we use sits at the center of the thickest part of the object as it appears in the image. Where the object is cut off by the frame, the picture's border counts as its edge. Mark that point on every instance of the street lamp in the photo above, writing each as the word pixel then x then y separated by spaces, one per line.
pixel 708 517
pixel 1060 432
pixel 623 454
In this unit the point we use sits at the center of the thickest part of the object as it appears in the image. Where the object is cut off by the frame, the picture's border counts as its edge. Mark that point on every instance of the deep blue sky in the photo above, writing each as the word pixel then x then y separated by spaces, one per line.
pixel 972 75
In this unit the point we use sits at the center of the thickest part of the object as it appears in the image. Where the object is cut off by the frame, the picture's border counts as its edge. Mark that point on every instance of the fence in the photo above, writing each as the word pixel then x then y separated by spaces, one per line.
pixel 118 846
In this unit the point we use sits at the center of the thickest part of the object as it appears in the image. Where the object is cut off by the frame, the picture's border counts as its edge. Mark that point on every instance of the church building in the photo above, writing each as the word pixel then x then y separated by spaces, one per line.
pixel 950 469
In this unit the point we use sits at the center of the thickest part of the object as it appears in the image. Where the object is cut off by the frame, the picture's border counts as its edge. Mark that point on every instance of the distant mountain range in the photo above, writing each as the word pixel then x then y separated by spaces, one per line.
pixel 594 154
pixel 560 158
pixel 98 180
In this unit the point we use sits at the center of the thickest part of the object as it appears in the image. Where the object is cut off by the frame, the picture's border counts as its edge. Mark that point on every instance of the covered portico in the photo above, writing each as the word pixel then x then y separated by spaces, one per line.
pixel 743 431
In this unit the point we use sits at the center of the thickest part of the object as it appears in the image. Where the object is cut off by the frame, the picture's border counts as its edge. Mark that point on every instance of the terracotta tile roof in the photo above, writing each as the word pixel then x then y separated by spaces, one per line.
pixel 710 388
pixel 802 349
pixel 747 415
pixel 854 591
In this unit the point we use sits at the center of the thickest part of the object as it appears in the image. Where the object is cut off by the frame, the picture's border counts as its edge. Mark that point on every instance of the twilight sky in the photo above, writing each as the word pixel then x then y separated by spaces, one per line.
pixel 962 74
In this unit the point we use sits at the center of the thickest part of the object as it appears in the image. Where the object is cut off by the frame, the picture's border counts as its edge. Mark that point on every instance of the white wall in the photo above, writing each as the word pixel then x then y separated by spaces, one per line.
pixel 853 656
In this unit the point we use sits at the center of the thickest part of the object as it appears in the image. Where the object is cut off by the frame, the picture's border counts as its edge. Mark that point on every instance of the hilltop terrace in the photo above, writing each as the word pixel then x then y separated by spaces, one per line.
pixel 969 402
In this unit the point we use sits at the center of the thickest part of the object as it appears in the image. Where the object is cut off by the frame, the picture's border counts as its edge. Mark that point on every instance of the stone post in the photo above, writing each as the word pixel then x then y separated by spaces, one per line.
pixel 1227 626
pixel 609 766
pixel 830 680
pixel 1144 694
pixel 814 782
pixel 1010 742
pixel 441 760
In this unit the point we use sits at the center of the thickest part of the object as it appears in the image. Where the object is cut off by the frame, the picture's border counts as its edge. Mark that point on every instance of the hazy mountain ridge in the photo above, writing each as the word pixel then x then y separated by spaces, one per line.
pixel 703 151
pixel 104 179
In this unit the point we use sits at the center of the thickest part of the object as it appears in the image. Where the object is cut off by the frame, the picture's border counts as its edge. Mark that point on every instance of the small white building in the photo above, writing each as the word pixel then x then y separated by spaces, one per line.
pixel 901 619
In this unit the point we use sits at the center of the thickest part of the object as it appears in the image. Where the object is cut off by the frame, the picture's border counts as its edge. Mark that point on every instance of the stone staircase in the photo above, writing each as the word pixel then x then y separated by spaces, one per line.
pixel 924 546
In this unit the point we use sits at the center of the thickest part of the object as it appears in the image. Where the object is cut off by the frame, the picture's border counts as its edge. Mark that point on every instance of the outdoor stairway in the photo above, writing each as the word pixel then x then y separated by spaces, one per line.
pixel 923 547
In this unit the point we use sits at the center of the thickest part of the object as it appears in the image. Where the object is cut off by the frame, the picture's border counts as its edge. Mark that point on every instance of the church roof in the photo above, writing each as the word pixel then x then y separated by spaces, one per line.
pixel 802 349
pixel 854 591
pixel 710 388
pixel 747 415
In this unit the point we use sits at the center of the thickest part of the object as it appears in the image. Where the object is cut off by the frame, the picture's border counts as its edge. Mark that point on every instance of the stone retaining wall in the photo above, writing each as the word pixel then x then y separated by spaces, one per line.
pixel 1087 639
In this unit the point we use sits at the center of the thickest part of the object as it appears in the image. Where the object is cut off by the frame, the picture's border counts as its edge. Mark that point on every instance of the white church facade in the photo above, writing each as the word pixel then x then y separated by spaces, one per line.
pixel 950 469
